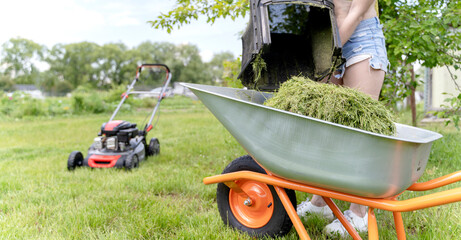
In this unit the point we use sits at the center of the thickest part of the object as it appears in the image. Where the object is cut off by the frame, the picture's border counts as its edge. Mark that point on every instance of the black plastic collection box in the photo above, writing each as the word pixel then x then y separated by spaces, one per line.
pixel 289 38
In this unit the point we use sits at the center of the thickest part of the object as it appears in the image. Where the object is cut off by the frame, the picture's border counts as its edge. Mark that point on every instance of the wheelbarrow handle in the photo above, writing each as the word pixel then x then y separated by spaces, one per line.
pixel 437 182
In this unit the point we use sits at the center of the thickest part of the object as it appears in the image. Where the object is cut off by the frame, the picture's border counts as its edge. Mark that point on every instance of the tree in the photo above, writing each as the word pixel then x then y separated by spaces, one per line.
pixel 217 67
pixel 183 60
pixel 107 66
pixel 6 84
pixel 162 52
pixel 77 63
pixel 20 56
pixel 111 63
pixel 188 10
pixel 55 73
pixel 230 73
pixel 423 31
pixel 192 68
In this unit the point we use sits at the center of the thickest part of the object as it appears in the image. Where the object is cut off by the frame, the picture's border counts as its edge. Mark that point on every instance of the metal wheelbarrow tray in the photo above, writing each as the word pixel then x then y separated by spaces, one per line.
pixel 299 153
pixel 320 153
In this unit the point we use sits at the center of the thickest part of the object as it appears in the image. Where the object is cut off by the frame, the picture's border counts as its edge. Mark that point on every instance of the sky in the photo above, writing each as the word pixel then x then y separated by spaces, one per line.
pixel 49 22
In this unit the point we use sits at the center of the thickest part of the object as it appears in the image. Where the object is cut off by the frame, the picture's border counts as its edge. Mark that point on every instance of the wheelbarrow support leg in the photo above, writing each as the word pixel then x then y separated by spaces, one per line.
pixel 292 213
pixel 372 225
pixel 399 226
pixel 350 229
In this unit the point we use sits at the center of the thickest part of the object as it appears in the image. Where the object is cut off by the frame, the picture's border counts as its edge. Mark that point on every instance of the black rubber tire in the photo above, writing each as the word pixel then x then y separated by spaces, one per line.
pixel 136 161
pixel 75 160
pixel 279 224
pixel 130 162
pixel 154 147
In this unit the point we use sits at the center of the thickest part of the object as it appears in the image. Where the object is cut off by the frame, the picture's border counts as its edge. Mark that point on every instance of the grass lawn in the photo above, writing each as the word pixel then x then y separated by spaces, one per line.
pixel 164 198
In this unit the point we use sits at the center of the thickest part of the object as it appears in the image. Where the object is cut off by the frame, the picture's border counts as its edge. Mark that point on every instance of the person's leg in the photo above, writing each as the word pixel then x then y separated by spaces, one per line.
pixel 364 78
pixel 319 208
pixel 368 80
pixel 318 201
pixel 317 205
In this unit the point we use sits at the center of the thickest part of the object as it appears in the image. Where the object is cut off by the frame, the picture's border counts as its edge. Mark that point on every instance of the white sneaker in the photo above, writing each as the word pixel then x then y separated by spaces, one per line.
pixel 307 207
pixel 337 228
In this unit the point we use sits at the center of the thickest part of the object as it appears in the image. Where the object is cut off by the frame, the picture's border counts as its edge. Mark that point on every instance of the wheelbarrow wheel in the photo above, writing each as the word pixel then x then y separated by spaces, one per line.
pixel 265 215
pixel 75 160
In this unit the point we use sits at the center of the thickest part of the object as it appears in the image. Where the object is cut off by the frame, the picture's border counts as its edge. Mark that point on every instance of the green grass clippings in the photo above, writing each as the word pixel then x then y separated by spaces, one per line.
pixel 333 103
pixel 258 65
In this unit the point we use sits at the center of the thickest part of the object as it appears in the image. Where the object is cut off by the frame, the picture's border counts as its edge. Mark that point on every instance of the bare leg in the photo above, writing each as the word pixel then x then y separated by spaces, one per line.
pixel 365 79
pixel 368 80
pixel 318 201
pixel 358 209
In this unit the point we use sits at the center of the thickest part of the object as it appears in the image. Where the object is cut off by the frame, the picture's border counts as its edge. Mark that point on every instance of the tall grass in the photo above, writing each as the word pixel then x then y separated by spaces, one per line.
pixel 164 198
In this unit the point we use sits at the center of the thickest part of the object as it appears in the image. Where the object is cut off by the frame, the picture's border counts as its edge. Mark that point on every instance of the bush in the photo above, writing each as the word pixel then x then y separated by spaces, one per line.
pixel 88 103
pixel 32 107
pixel 83 101
pixel 115 94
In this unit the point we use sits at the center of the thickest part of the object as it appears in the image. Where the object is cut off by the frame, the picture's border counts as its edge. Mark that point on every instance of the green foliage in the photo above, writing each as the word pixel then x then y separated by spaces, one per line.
pixel 63 87
pixel 230 73
pixel 102 67
pixel 115 94
pixel 424 31
pixel 217 65
pixel 333 103
pixel 84 100
pixel 115 63
pixel 78 60
pixel 187 10
pixel 21 106
pixel 184 62
pixel 91 103
pixel 452 110
pixel 259 66
pixel 6 83
pixel 19 57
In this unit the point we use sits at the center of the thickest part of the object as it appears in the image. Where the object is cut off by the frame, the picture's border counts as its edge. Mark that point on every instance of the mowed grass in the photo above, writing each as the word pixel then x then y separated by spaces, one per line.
pixel 164 198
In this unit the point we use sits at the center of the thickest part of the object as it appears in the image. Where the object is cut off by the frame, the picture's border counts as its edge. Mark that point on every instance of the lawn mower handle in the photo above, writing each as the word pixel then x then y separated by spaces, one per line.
pixel 131 86
pixel 152 65
pixel 148 126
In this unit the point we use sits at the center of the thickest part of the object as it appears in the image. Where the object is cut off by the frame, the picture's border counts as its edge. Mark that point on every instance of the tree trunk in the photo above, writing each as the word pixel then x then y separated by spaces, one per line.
pixel 412 96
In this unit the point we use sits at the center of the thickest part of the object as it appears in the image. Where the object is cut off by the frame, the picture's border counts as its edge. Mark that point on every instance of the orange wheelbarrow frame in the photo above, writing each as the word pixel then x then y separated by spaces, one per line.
pixel 389 204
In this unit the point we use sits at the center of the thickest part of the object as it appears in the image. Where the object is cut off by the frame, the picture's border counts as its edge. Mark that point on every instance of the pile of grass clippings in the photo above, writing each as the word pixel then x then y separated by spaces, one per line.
pixel 333 103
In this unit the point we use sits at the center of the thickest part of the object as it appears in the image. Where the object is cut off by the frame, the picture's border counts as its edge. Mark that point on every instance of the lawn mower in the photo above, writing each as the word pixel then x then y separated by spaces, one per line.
pixel 119 143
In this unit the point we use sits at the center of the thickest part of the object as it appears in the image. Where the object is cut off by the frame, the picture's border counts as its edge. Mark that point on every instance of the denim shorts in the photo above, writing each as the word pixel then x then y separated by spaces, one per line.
pixel 367 42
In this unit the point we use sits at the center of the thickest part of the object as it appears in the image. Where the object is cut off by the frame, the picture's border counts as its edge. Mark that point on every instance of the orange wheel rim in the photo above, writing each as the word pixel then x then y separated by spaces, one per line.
pixel 261 209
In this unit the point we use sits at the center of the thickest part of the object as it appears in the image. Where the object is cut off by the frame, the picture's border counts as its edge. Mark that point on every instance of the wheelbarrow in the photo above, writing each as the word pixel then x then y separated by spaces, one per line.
pixel 288 152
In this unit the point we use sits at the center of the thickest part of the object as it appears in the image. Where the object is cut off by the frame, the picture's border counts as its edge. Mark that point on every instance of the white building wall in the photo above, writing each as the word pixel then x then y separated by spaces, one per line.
pixel 442 83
